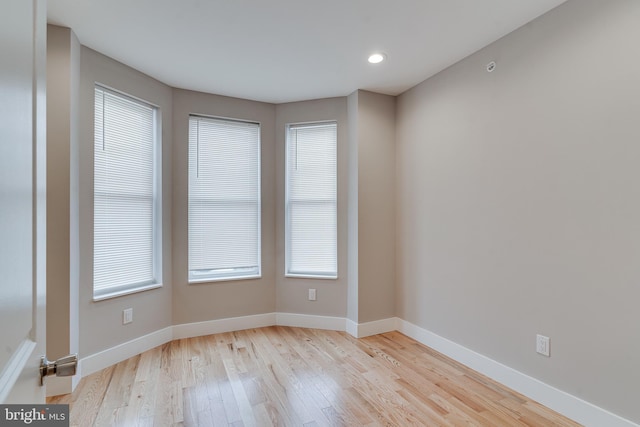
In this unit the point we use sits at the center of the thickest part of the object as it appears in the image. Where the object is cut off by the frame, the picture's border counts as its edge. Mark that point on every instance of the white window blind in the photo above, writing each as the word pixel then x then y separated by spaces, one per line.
pixel 311 200
pixel 224 199
pixel 125 252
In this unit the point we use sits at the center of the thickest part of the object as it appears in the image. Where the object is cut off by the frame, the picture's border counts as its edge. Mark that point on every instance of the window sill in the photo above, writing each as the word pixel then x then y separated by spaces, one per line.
pixel 223 279
pixel 124 292
pixel 310 276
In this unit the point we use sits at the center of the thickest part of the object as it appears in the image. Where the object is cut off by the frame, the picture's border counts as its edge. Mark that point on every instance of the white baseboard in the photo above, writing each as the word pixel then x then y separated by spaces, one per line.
pixel 377 327
pixel 197 329
pixel 558 400
pixel 113 355
pixel 311 321
pixel 351 327
pixel 95 362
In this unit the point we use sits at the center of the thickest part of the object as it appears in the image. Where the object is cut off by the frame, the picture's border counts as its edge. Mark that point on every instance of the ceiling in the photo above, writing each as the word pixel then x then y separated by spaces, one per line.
pixel 290 50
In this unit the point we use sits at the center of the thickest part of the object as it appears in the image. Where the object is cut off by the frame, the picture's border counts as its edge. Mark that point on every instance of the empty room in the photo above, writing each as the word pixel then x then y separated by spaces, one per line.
pixel 297 213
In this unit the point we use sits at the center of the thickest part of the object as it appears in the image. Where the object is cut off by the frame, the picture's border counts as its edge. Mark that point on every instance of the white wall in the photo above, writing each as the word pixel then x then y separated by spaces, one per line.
pixel 23 201
pixel 518 202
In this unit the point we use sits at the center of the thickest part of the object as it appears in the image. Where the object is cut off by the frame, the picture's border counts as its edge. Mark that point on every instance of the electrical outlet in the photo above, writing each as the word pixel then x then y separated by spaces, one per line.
pixel 542 345
pixel 127 316
pixel 312 294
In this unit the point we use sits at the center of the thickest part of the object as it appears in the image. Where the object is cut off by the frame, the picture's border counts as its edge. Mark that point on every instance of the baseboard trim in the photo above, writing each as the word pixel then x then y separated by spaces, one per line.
pixel 351 327
pixel 197 329
pixel 361 330
pixel 113 355
pixel 376 327
pixel 95 362
pixel 570 406
pixel 558 400
pixel 311 321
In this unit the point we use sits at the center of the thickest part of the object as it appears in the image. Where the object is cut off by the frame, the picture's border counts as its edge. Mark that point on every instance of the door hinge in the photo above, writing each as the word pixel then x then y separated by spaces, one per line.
pixel 63 367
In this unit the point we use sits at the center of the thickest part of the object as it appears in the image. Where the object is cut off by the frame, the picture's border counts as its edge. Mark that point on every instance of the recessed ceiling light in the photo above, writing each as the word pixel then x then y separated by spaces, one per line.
pixel 377 58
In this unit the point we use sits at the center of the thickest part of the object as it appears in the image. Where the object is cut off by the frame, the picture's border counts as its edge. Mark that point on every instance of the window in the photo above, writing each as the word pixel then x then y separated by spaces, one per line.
pixel 224 199
pixel 311 200
pixel 126 195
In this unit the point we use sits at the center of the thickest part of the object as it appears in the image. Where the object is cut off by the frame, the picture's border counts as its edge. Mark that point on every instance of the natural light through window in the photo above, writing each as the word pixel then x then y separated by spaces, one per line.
pixel 311 200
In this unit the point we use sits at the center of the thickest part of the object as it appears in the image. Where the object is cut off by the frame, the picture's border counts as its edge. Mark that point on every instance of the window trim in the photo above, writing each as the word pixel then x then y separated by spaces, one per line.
pixel 287 231
pixel 227 277
pixel 157 244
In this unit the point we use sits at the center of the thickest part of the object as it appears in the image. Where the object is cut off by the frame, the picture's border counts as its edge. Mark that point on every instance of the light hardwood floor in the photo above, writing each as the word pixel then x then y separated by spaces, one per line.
pixel 285 376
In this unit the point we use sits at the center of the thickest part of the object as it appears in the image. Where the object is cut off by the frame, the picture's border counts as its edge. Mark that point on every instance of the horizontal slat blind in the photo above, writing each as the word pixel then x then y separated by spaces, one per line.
pixel 224 199
pixel 124 138
pixel 311 201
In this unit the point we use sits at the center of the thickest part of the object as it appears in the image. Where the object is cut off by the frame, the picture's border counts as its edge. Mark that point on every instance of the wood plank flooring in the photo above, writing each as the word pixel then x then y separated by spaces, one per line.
pixel 281 376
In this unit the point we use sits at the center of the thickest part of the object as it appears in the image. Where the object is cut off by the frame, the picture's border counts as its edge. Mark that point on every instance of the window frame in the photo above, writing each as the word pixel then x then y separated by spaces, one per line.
pixel 287 229
pixel 237 275
pixel 157 234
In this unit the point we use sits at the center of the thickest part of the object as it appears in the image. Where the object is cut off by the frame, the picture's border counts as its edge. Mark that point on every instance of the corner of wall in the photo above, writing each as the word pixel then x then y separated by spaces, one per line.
pixel 352 215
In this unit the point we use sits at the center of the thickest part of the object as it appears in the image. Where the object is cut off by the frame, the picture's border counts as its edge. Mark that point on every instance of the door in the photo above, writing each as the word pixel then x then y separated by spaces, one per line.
pixel 22 199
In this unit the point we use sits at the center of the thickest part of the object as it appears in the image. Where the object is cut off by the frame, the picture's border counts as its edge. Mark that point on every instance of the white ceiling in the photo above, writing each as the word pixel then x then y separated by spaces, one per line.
pixel 290 50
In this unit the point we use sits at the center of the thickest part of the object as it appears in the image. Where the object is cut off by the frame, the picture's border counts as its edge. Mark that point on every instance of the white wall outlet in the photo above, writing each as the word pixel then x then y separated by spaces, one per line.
pixel 312 294
pixel 542 345
pixel 127 316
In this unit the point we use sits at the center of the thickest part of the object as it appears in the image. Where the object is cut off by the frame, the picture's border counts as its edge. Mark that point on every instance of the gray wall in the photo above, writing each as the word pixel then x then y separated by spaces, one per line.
pixel 375 121
pixel 63 70
pixel 101 322
pixel 292 292
pixel 217 300
pixel 177 302
pixel 352 209
pixel 371 216
pixel 517 205
pixel 518 202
